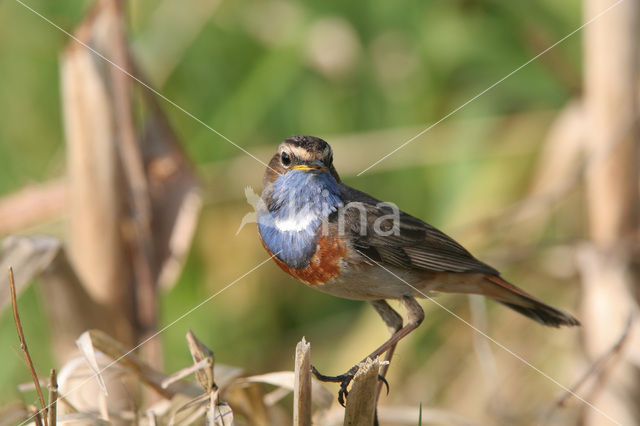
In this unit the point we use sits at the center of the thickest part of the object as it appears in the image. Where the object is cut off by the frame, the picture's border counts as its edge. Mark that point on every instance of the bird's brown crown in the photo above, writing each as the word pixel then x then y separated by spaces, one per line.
pixel 300 152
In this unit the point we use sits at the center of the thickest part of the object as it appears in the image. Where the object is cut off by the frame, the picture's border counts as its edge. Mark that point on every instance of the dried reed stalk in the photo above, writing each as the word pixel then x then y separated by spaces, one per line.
pixel 361 402
pixel 611 279
pixel 133 198
pixel 302 385
pixel 53 398
pixel 97 198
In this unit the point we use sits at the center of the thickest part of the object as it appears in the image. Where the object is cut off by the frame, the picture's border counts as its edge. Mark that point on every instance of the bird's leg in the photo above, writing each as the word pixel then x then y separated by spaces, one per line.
pixel 394 323
pixel 415 316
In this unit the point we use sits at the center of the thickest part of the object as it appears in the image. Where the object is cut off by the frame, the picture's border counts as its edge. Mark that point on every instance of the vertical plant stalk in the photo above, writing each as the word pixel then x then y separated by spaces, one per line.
pixel 53 398
pixel 97 205
pixel 611 75
pixel 37 416
pixel 23 345
pixel 302 385
pixel 361 403
pixel 139 241
pixel 610 276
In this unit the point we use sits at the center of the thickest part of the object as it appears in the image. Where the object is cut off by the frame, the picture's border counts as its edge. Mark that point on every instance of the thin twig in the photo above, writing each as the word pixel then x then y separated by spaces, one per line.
pixel 599 368
pixel 609 360
pixel 37 417
pixel 23 345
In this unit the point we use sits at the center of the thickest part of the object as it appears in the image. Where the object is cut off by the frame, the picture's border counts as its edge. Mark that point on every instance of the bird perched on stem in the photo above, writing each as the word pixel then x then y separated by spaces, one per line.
pixel 344 242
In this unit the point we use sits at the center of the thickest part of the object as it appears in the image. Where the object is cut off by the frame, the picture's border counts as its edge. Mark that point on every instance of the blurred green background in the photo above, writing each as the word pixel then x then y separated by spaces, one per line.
pixel 260 71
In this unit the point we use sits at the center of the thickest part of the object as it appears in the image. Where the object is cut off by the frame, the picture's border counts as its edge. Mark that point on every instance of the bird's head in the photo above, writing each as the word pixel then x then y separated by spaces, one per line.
pixel 300 153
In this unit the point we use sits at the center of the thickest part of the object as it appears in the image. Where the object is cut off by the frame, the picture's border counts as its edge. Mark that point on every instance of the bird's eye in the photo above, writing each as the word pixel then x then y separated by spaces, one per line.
pixel 285 158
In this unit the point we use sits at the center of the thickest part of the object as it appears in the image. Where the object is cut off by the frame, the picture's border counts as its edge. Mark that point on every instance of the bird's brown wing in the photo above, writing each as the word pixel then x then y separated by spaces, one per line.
pixel 411 244
pixel 418 245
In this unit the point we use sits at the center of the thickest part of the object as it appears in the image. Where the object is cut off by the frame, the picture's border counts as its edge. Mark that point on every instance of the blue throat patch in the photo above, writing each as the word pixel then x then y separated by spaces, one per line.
pixel 290 225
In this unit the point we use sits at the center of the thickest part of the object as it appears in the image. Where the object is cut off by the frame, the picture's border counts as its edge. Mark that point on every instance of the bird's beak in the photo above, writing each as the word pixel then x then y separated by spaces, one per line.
pixel 315 165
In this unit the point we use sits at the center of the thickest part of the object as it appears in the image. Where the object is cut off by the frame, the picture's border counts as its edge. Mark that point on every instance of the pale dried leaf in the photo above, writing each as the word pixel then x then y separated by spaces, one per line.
pixel 143 371
pixel 181 374
pixel 28 256
pixel 82 419
pixel 274 396
pixel 85 345
pixel 247 400
pixel 430 416
pixel 226 375
pixel 195 417
pixel 193 409
pixel 221 413
pixel 285 379
pixel 199 353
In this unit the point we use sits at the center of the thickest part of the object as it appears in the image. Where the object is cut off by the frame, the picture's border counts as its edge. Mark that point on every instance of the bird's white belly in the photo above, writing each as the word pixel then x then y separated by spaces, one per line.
pixel 377 283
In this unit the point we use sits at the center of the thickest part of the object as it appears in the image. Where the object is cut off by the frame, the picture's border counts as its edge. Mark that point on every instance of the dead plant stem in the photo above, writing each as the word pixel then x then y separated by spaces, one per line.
pixel 23 345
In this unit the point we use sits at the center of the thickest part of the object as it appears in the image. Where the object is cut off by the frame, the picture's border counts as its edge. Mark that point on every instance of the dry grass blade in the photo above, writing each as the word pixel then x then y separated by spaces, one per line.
pixel 600 367
pixel 207 404
pixel 182 373
pixel 302 385
pixel 29 256
pixel 148 375
pixel 361 402
pixel 286 380
pixel 199 353
pixel 220 415
pixel 86 347
pixel 82 419
pixel 429 416
pixel 196 402
pixel 599 371
pixel 23 344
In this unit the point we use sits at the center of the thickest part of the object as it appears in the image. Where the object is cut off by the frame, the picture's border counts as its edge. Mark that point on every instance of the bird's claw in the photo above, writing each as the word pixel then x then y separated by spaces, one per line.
pixel 344 380
pixel 383 380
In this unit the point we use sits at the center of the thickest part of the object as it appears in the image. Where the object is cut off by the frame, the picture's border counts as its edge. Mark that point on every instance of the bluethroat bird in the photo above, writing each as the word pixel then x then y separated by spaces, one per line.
pixel 344 242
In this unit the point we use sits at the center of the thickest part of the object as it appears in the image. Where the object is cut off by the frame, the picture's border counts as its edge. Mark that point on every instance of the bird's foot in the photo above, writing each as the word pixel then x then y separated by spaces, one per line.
pixel 344 380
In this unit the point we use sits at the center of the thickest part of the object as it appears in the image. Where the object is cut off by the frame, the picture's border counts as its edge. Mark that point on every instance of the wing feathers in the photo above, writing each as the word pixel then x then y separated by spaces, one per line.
pixel 417 245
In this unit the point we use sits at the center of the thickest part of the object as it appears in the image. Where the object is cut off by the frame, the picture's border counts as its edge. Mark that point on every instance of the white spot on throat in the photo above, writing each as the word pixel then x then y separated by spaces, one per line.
pixel 298 222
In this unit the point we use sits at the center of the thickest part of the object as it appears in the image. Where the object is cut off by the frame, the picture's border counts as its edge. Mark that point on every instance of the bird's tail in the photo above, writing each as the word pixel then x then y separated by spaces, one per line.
pixel 509 295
